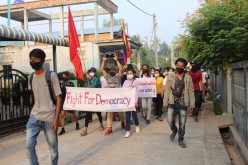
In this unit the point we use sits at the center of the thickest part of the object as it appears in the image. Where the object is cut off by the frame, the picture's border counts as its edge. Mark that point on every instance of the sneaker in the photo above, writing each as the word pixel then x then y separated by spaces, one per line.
pixel 62 131
pixel 123 125
pixel 147 121
pixel 196 119
pixel 173 135
pixel 77 126
pixel 127 134
pixel 109 131
pixel 182 144
pixel 137 129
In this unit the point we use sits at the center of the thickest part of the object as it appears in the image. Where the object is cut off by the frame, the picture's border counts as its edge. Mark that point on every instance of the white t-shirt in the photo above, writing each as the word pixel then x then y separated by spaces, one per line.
pixel 103 82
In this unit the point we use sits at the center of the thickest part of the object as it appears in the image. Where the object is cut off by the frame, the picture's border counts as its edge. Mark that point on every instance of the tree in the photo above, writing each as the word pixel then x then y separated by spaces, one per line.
pixel 218 33
pixel 116 22
pixel 148 54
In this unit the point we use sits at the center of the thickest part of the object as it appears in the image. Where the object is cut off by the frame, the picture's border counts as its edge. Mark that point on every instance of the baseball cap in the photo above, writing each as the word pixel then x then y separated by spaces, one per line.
pixel 93 69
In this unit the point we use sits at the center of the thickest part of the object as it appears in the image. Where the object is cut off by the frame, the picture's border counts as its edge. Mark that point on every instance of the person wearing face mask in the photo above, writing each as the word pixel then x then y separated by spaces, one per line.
pixel 66 83
pixel 165 74
pixel 132 82
pixel 179 94
pixel 114 81
pixel 45 112
pixel 198 87
pixel 152 72
pixel 159 99
pixel 146 102
pixel 92 81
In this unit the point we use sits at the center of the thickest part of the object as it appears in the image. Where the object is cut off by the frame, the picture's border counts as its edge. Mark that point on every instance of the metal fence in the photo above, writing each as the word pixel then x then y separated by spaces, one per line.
pixel 15 100
pixel 240 99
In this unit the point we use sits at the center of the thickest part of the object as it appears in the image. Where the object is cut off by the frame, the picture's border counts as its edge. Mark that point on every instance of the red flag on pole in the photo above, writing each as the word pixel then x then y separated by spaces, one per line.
pixel 73 45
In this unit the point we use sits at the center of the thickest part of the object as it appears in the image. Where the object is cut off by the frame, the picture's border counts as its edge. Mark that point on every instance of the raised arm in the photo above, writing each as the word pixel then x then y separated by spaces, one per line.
pixel 119 65
pixel 104 73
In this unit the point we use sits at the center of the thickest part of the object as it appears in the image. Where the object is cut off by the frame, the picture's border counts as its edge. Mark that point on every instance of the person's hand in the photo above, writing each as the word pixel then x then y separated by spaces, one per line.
pixel 104 57
pixel 162 95
pixel 166 108
pixel 115 57
pixel 203 93
pixel 125 66
pixel 55 126
pixel 88 76
pixel 136 105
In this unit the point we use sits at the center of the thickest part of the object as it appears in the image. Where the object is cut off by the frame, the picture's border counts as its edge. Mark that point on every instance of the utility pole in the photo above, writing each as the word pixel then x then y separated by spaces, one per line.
pixel 155 38
pixel 8 13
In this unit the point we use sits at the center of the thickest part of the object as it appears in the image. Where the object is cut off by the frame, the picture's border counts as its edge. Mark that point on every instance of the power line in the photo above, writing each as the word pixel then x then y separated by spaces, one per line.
pixel 140 9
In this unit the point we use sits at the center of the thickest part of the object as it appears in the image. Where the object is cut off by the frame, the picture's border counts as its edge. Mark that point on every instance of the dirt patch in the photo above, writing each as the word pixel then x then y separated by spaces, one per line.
pixel 234 155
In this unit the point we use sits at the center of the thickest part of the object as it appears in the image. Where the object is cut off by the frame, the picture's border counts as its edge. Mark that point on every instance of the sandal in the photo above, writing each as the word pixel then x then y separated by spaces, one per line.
pixel 84 133
pixel 160 119
pixel 182 144
pixel 101 128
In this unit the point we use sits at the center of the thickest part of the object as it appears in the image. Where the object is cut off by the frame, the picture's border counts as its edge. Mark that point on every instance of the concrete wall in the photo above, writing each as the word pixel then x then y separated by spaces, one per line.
pixel 18 57
pixel 240 99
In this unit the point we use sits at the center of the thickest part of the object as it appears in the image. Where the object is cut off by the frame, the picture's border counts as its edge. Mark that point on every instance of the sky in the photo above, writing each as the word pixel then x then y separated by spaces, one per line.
pixel 169 13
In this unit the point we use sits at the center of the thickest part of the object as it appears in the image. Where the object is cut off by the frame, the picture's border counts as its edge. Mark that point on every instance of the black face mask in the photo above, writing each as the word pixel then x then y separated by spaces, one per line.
pixel 64 78
pixel 36 65
pixel 112 73
pixel 179 70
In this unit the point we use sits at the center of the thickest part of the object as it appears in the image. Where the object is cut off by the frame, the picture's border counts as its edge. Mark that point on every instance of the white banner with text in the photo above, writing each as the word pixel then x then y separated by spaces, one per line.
pixel 100 99
pixel 147 87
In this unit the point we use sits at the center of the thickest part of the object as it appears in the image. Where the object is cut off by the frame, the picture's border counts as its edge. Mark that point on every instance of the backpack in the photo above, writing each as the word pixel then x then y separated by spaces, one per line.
pixel 49 84
pixel 179 87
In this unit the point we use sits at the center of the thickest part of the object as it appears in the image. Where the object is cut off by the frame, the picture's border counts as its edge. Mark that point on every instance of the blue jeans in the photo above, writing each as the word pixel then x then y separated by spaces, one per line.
pixel 34 127
pixel 180 111
pixel 135 119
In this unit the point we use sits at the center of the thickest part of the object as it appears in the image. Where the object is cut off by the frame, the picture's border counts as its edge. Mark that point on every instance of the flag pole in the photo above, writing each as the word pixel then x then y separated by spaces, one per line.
pixel 8 12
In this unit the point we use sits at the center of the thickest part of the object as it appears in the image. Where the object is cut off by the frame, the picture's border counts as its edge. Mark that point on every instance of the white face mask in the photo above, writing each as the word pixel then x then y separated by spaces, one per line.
pixel 130 76
pixel 156 75
pixel 170 72
pixel 92 74
pixel 124 73
pixel 165 73
pixel 152 72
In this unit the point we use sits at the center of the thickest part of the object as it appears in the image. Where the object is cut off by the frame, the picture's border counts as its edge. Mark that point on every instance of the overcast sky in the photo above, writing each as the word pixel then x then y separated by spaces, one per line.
pixel 168 13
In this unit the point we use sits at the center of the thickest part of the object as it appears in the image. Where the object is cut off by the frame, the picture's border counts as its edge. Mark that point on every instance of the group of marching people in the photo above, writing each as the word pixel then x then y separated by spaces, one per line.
pixel 178 90
pixel 191 84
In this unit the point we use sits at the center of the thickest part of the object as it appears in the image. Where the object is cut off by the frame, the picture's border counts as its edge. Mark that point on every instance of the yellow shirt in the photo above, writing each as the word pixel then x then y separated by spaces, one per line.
pixel 159 85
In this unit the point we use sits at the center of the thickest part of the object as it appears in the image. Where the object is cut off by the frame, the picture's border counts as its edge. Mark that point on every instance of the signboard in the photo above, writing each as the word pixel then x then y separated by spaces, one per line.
pixel 100 99
pixel 147 87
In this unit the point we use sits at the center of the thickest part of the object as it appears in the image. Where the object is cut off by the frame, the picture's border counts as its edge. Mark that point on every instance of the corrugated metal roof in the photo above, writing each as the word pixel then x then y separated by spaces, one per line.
pixel 88 31
pixel 15 34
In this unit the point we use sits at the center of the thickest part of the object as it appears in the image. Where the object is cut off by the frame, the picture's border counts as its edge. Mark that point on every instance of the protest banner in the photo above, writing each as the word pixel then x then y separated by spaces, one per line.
pixel 147 87
pixel 100 99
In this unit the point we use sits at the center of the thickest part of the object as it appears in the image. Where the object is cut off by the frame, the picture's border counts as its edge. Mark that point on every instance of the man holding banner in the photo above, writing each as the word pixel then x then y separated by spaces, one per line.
pixel 114 81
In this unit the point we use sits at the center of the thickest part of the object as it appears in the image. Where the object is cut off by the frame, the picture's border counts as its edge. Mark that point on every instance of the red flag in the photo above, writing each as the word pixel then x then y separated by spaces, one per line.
pixel 126 44
pixel 73 45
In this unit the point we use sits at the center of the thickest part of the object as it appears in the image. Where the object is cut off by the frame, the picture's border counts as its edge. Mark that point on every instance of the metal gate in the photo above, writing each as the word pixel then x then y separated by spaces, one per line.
pixel 15 100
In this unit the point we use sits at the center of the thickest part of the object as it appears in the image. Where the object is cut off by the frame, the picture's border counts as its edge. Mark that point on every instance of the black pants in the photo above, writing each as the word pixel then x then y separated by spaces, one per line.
pixel 89 115
pixel 198 101
pixel 159 104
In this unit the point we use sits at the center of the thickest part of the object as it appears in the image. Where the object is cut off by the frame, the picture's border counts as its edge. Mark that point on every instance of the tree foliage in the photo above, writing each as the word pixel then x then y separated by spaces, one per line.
pixel 148 55
pixel 218 33
pixel 116 22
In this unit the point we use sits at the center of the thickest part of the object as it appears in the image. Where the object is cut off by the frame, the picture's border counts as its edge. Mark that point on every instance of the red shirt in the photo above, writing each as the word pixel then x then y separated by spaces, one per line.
pixel 196 78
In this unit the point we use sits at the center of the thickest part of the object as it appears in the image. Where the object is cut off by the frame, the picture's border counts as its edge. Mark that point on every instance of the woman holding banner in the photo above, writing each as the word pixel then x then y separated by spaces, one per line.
pixel 132 82
pixel 146 102
pixel 92 82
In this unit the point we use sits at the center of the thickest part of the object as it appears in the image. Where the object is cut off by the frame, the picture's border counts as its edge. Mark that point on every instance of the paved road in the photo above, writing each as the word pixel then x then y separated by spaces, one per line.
pixel 149 147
